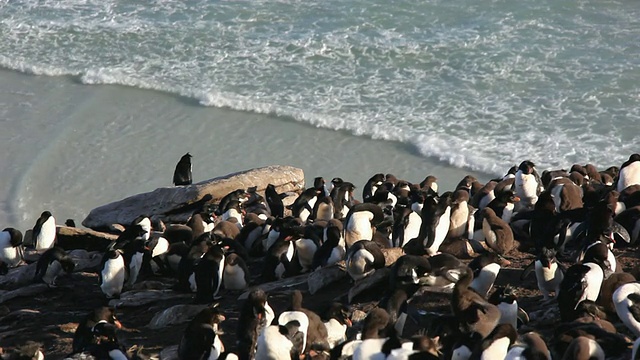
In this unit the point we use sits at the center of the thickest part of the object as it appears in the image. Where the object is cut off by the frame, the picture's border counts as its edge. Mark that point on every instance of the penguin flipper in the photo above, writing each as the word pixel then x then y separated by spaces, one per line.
pixel 620 233
pixel 527 270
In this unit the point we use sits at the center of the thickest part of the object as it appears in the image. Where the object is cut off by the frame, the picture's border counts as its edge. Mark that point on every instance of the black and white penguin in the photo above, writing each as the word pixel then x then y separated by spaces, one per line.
pixel 302 207
pixel 342 197
pixel 337 323
pixel 530 346
pixel 112 273
pixel 630 220
pixel 527 185
pixel 363 258
pixel 435 215
pixel 459 214
pixel 44 232
pixel 584 348
pixel 549 273
pixel 85 335
pixel 51 264
pixel 234 212
pixel 280 342
pixel 626 300
pixel 296 317
pixel 134 255
pixel 406 225
pixel 496 345
pixel 208 275
pixel 182 173
pixel 599 253
pixel 485 271
pixel 323 210
pixel 446 270
pixel 306 248
pixel 201 339
pixel 504 204
pixel 473 311
pixel 505 299
pixel 255 315
pixel 497 233
pixel 429 183
pixel 361 221
pixel 629 173
pixel 11 247
pixel 372 186
pixel 236 273
pixel 332 249
pixel 581 282
pixel 274 200
pixel 484 195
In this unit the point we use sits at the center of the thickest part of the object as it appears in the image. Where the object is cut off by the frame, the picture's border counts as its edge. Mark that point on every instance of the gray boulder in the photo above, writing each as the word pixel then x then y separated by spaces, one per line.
pixel 175 204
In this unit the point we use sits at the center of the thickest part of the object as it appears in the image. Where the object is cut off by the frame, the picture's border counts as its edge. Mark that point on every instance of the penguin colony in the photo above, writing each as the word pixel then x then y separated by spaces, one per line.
pixel 454 243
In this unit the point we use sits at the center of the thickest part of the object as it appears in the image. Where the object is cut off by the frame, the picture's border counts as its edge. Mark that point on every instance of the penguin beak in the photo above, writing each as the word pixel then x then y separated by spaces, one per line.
pixel 117 324
pixel 349 323
pixel 516 199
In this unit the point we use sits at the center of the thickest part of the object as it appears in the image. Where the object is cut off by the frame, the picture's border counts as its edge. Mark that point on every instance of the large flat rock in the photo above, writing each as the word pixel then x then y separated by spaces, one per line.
pixel 175 204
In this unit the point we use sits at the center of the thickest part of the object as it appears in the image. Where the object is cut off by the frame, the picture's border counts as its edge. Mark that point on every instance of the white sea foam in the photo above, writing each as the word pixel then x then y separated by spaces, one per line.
pixel 479 85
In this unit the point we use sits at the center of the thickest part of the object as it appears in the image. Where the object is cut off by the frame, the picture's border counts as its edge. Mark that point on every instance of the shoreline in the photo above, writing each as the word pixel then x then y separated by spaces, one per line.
pixel 98 144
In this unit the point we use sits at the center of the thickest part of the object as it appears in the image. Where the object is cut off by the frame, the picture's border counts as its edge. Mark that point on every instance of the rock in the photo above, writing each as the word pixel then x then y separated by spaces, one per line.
pixel 176 204
pixel 18 276
pixel 23 291
pixel 169 353
pixel 277 285
pixel 325 276
pixel 20 315
pixel 391 255
pixel 174 315
pixel 142 297
pixel 379 276
pixel 70 238
pixel 150 285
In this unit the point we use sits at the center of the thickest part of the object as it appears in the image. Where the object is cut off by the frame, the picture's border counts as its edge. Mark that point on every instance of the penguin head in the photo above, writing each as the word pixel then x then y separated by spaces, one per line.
pixel 527 167
pixel 340 313
pixel 15 236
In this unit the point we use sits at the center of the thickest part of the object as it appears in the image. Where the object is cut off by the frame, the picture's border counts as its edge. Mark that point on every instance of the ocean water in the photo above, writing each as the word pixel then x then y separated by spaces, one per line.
pixel 363 86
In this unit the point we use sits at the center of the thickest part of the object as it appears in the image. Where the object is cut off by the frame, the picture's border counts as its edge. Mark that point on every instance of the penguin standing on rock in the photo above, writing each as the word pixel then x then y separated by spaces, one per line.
pixel 51 264
pixel 182 173
pixel 10 248
pixel 44 232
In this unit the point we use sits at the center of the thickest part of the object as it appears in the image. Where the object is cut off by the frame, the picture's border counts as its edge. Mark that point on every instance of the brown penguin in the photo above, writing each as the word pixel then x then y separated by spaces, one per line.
pixel 474 312
pixel 497 233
